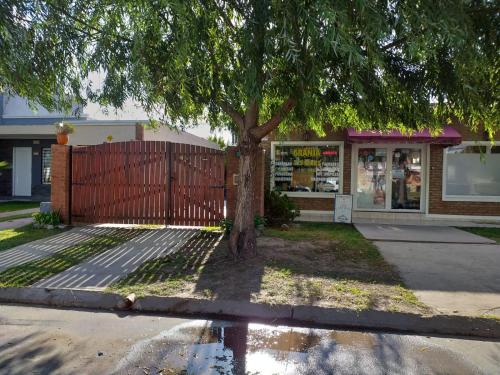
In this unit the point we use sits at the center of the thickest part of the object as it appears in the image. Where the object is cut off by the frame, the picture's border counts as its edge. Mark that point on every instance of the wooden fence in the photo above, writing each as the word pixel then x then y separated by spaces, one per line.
pixel 147 182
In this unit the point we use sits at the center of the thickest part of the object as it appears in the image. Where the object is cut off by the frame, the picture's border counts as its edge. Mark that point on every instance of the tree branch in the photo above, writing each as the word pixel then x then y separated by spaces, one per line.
pixel 266 128
pixel 233 113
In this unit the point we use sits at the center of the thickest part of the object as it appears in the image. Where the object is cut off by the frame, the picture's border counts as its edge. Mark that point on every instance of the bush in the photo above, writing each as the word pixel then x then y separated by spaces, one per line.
pixel 279 208
pixel 227 224
pixel 43 219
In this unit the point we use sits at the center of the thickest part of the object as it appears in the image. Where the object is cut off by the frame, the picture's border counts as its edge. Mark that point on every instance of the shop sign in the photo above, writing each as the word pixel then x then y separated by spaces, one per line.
pixel 343 208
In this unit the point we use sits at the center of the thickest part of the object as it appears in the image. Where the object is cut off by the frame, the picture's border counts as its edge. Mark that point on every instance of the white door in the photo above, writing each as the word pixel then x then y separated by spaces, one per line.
pixel 22 172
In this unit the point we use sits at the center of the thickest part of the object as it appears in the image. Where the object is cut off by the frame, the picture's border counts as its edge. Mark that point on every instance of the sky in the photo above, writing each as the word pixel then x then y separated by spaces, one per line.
pixel 133 111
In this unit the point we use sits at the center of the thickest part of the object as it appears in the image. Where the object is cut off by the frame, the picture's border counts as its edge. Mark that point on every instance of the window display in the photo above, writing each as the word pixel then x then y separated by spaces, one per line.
pixel 306 167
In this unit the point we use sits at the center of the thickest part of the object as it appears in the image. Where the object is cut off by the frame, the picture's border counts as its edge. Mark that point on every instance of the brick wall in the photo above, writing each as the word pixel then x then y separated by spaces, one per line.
pixel 61 181
pixel 232 167
pixel 438 206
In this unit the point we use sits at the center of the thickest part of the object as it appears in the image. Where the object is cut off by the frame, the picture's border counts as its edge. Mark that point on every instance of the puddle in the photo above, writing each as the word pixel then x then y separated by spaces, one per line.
pixel 211 347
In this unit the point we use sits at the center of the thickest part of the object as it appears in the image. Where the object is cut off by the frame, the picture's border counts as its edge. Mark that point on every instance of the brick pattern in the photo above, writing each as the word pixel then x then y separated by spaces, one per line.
pixel 438 206
pixel 61 181
pixel 232 167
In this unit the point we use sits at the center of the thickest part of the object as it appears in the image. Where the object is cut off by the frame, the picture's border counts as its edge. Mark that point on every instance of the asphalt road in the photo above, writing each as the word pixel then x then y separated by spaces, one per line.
pixel 52 341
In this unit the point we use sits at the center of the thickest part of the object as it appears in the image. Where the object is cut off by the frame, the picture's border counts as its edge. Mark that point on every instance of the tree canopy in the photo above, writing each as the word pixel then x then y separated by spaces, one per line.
pixel 363 63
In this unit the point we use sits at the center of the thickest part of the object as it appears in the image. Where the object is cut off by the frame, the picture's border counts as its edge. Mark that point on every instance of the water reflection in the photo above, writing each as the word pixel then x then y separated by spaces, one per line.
pixel 212 347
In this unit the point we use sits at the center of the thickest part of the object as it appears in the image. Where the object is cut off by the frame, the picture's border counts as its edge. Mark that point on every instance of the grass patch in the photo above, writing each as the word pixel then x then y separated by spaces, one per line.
pixel 14 217
pixel 352 245
pixel 30 272
pixel 310 264
pixel 491 233
pixel 17 205
pixel 10 238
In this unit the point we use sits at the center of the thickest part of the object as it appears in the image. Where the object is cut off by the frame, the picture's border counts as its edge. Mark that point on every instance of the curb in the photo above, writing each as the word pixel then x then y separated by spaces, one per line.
pixel 450 325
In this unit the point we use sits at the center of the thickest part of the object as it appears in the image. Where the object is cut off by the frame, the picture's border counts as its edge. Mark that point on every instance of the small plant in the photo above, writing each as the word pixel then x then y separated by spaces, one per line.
pixel 227 224
pixel 65 128
pixel 109 138
pixel 279 208
pixel 47 219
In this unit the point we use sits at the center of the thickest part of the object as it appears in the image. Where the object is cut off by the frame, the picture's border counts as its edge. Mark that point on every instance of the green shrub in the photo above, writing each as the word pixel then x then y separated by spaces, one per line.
pixel 279 208
pixel 47 218
pixel 227 224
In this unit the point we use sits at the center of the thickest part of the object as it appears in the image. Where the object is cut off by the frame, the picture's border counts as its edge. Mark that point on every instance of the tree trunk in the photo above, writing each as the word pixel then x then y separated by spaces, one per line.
pixel 243 239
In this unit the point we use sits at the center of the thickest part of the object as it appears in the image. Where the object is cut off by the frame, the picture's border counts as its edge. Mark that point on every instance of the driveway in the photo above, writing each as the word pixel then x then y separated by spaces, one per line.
pixel 419 233
pixel 451 277
pixel 99 272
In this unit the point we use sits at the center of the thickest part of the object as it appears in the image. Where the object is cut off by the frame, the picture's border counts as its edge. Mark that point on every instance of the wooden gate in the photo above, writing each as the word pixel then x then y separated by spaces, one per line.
pixel 147 182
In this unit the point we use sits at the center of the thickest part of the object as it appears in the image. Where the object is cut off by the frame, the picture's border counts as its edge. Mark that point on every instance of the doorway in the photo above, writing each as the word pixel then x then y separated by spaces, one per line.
pixel 21 179
pixel 389 177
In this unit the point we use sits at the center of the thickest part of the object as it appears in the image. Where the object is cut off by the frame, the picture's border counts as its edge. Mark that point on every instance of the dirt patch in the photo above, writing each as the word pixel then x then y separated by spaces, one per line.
pixel 320 272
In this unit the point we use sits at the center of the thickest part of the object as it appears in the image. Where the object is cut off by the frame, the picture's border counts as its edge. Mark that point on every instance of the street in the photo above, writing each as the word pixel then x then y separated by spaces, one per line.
pixel 55 341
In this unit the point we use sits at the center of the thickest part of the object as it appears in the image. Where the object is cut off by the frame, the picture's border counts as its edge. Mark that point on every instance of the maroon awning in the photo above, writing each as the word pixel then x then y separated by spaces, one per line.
pixel 448 136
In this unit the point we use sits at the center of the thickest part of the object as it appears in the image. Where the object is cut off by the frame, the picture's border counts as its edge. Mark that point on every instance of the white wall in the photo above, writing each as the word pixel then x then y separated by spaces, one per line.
pixel 97 134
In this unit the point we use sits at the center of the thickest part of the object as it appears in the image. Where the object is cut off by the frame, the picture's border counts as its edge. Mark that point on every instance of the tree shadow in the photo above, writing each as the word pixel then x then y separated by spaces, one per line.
pixel 32 354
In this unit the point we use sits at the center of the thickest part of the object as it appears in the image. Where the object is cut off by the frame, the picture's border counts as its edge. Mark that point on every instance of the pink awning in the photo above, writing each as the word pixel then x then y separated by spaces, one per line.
pixel 448 136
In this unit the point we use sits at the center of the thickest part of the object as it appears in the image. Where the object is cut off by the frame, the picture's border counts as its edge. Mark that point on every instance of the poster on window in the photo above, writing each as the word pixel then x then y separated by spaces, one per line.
pixel 306 168
pixel 343 208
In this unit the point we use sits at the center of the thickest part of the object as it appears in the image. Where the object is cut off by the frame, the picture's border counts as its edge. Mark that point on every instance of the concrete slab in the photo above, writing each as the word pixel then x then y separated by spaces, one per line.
pixel 419 233
pixel 47 246
pixel 101 271
pixel 16 223
pixel 19 212
pixel 451 278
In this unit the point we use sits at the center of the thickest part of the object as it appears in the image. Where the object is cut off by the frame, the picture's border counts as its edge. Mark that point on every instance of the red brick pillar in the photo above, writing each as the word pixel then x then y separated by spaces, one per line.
pixel 232 169
pixel 61 181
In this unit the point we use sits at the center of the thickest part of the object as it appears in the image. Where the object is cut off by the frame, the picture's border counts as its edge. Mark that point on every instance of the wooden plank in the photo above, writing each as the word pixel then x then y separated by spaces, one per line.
pixel 161 183
pixel 136 197
pixel 195 188
pixel 167 192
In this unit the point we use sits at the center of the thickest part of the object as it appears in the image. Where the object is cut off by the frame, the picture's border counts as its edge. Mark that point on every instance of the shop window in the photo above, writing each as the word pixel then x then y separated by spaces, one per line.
pixel 307 168
pixel 471 172
pixel 46 165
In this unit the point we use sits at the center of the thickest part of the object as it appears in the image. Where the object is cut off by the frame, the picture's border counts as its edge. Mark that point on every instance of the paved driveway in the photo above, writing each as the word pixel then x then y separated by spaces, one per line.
pixel 419 233
pixel 99 272
pixel 450 270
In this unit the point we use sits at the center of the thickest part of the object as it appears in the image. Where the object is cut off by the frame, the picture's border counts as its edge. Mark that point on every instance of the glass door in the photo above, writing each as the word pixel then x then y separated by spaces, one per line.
pixel 406 187
pixel 389 177
pixel 371 172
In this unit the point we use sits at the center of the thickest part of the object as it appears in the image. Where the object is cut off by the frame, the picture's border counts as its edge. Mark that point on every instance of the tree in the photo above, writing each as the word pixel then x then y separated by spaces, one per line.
pixel 218 140
pixel 256 66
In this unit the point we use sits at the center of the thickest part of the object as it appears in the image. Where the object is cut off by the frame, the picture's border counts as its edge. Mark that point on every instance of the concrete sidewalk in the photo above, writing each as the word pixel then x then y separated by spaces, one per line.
pixel 451 278
pixel 101 271
pixel 19 212
pixel 16 223
pixel 419 233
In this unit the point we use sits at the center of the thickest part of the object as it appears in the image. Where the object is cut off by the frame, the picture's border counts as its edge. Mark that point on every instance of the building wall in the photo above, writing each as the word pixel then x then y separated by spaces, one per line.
pixel 438 206
pixel 97 134
pixel 435 203
pixel 38 190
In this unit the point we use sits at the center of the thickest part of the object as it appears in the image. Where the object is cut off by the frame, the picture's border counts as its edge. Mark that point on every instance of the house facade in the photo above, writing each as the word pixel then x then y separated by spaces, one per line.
pixel 391 176
pixel 26 138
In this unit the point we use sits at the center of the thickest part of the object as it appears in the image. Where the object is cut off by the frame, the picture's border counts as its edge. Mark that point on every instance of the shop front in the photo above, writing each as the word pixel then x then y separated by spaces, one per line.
pixel 389 175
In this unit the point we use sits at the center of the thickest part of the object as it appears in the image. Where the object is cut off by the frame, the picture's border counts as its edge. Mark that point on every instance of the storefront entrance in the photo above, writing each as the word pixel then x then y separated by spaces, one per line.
pixel 389 177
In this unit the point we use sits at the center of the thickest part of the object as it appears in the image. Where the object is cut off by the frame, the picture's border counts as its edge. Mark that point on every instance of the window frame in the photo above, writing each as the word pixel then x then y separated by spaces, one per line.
pixel 466 198
pixel 41 157
pixel 303 194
